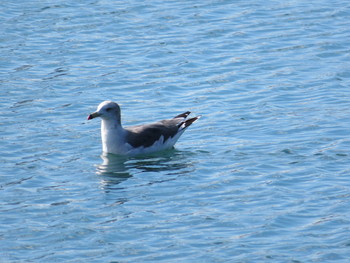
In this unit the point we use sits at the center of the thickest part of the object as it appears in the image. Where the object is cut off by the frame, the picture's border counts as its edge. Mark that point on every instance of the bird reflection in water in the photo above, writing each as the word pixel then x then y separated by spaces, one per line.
pixel 116 169
pixel 113 170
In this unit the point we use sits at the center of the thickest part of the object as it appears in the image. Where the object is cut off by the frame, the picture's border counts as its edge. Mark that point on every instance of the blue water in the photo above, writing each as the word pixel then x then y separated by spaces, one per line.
pixel 263 176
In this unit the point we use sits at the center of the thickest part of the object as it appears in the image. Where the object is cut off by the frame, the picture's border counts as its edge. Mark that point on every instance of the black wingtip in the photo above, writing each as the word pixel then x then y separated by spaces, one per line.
pixel 190 121
pixel 183 115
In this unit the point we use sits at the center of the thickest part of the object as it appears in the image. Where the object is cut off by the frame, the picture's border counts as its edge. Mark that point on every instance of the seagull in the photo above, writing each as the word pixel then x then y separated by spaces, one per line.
pixel 140 139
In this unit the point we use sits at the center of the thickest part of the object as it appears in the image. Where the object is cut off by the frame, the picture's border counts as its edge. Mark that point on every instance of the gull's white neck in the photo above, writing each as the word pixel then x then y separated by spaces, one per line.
pixel 113 136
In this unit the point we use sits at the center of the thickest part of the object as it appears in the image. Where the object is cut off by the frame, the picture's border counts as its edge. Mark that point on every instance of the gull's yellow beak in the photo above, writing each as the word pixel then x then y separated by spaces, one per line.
pixel 93 115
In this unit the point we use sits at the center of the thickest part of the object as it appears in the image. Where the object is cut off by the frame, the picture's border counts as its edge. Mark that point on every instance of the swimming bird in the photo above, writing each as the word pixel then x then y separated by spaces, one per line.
pixel 140 139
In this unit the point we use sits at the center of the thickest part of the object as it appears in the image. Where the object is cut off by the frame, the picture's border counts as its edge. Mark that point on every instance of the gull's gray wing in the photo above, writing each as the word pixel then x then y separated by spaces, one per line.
pixel 147 135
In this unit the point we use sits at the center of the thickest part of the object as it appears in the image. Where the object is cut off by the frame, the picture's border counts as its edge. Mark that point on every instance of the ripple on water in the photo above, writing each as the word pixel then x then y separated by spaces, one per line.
pixel 262 176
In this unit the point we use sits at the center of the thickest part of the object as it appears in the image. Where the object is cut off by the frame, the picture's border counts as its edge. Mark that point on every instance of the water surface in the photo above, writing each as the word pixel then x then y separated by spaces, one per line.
pixel 263 176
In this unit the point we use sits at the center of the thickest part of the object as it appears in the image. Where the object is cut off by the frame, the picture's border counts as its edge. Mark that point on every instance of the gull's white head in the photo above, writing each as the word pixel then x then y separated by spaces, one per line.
pixel 107 110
